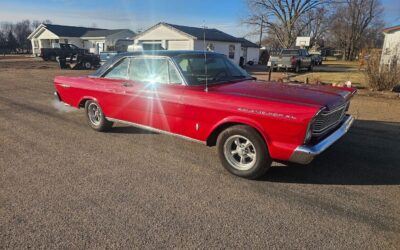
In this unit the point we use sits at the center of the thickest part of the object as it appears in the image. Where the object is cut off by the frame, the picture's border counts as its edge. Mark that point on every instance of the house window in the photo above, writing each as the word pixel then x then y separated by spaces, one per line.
pixel 231 51
pixel 210 47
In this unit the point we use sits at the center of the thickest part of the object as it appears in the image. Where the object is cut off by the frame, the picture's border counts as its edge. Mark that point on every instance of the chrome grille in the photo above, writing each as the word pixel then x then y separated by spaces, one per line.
pixel 328 119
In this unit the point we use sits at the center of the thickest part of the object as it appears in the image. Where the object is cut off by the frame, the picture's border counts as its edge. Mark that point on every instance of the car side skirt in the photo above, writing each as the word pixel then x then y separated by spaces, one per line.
pixel 154 129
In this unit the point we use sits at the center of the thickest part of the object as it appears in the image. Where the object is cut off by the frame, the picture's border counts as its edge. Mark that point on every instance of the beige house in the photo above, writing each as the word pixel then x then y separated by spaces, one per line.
pixel 391 45
pixel 177 37
pixel 94 39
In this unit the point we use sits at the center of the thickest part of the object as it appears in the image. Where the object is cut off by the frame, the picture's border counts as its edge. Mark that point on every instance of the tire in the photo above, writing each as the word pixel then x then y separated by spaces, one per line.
pixel 52 57
pixel 235 155
pixel 297 68
pixel 45 59
pixel 87 65
pixel 96 118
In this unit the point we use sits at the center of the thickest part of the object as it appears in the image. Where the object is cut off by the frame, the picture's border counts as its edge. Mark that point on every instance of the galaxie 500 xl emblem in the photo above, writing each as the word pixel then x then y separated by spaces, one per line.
pixel 265 113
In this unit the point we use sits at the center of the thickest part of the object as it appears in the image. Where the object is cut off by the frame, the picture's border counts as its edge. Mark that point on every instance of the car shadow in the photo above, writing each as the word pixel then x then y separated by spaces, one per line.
pixel 368 155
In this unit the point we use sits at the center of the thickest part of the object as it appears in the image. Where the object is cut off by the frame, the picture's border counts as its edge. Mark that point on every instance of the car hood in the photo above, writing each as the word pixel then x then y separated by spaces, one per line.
pixel 303 94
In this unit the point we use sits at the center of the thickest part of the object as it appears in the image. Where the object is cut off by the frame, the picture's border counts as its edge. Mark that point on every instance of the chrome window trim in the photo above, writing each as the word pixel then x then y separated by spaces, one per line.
pixel 183 80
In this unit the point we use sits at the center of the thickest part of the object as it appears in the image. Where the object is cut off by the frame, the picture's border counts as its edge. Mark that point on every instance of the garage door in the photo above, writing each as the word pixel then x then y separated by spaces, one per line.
pixel 179 45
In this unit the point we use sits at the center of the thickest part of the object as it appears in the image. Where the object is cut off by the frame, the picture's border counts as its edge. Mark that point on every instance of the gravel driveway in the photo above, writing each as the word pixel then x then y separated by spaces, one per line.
pixel 63 185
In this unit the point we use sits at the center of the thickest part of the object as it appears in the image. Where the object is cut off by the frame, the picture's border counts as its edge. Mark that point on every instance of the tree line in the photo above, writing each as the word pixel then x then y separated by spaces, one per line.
pixel 14 36
pixel 347 25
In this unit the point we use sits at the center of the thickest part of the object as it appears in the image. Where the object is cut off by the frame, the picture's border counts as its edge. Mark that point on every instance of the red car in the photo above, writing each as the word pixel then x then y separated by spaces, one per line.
pixel 206 98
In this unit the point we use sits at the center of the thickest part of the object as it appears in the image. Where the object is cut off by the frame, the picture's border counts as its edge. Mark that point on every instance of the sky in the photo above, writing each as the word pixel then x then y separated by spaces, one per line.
pixel 141 14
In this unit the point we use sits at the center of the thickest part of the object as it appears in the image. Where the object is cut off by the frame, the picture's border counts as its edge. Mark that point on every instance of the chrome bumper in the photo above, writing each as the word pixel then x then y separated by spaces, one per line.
pixel 57 96
pixel 305 154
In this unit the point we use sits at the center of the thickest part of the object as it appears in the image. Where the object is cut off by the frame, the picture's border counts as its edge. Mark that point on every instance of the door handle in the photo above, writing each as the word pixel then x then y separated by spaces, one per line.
pixel 127 84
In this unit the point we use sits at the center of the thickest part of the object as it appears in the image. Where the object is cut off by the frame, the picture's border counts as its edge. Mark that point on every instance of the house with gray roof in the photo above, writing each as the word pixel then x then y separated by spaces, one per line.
pixel 94 39
pixel 178 37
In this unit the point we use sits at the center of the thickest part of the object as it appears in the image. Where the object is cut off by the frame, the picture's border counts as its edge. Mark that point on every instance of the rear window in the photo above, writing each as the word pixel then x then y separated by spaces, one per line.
pixel 293 52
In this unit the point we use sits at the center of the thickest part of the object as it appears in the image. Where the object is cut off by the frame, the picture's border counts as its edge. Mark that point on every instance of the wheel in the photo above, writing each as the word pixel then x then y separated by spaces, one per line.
pixel 52 58
pixel 87 65
pixel 95 117
pixel 297 69
pixel 45 59
pixel 243 152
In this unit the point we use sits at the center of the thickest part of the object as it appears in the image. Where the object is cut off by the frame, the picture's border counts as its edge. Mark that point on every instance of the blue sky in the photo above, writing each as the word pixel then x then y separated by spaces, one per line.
pixel 140 14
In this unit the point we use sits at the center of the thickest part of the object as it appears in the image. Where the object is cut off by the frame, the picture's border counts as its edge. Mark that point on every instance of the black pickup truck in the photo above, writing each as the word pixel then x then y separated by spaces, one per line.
pixel 65 50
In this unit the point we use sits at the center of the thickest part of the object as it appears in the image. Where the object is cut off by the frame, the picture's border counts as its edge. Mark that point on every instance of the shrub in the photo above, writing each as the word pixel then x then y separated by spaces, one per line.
pixel 382 77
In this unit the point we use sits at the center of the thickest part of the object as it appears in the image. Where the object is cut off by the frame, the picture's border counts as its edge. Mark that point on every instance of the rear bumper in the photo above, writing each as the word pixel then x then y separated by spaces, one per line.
pixel 57 96
pixel 305 154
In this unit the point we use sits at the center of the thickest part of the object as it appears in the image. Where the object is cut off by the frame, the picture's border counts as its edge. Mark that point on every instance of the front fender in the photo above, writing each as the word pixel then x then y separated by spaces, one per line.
pixel 240 120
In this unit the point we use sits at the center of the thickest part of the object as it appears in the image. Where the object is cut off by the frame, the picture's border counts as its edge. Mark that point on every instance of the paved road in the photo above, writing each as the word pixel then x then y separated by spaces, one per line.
pixel 63 185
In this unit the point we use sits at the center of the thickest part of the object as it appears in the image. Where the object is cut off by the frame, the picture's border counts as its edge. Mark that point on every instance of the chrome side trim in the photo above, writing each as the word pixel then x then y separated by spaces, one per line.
pixel 154 129
pixel 305 154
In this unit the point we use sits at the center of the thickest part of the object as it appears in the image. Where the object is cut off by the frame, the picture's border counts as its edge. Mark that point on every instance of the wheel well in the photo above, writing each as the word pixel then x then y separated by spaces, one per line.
pixel 212 138
pixel 83 102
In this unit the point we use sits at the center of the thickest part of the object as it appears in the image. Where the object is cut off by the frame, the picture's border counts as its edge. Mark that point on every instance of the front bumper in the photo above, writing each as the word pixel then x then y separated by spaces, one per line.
pixel 305 154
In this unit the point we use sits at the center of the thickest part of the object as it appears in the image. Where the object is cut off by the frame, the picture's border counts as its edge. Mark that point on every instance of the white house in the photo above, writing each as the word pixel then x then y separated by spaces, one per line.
pixel 93 39
pixel 250 51
pixel 391 45
pixel 177 37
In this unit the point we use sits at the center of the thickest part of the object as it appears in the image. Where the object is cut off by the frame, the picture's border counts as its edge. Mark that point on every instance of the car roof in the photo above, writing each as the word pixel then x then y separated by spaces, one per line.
pixel 167 53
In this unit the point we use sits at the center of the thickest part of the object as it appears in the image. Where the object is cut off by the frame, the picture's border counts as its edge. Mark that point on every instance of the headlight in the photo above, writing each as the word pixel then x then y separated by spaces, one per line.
pixel 308 136
pixel 310 126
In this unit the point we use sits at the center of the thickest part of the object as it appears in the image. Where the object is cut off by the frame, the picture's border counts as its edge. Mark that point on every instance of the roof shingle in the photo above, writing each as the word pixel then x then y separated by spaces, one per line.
pixel 210 34
pixel 68 31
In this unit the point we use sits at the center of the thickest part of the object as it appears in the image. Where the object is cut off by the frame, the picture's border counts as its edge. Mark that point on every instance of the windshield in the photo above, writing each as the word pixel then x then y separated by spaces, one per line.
pixel 219 69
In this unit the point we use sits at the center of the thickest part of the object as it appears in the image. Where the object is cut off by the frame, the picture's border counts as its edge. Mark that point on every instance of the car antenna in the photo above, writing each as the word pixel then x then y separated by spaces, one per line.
pixel 205 55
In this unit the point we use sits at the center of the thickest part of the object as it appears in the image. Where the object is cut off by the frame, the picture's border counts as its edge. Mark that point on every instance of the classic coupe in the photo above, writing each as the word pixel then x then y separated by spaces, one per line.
pixel 205 97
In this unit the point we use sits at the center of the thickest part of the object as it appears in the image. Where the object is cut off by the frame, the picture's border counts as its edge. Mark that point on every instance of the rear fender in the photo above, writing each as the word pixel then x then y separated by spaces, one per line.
pixel 81 103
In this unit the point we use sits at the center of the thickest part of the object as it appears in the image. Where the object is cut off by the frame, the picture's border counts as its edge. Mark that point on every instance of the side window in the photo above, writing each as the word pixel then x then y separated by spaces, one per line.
pixel 153 70
pixel 232 51
pixel 119 71
pixel 174 77
pixel 210 47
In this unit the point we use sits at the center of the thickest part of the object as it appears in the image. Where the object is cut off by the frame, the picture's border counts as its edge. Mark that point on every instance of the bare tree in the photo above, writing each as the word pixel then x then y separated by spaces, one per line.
pixel 350 24
pixel 316 24
pixel 22 30
pixel 282 17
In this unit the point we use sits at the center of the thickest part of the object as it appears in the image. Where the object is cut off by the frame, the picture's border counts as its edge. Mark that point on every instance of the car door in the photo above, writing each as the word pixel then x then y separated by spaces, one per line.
pixel 120 99
pixel 161 89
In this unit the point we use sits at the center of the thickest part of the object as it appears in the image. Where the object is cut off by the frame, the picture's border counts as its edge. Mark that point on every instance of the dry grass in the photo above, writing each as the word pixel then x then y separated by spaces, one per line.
pixel 341 64
pixel 356 77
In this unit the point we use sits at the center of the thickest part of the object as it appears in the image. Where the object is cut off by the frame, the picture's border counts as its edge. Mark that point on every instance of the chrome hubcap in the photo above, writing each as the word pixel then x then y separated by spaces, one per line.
pixel 94 113
pixel 240 152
